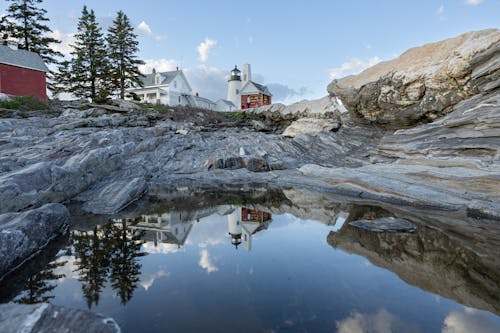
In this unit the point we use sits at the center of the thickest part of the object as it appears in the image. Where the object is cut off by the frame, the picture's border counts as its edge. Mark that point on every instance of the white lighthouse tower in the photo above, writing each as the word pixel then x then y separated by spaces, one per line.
pixel 234 87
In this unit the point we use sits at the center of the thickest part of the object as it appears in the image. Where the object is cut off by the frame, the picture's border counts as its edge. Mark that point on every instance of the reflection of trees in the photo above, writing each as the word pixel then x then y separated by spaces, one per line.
pixel 107 253
pixel 125 269
pixel 38 286
pixel 92 261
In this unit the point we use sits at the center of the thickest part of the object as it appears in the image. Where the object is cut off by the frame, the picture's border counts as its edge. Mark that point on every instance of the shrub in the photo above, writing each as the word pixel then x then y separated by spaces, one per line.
pixel 25 103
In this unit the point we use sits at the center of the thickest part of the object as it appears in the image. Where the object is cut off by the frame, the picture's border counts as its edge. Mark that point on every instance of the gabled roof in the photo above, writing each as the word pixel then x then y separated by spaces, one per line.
pixel 203 99
pixel 22 58
pixel 225 101
pixel 149 79
pixel 253 87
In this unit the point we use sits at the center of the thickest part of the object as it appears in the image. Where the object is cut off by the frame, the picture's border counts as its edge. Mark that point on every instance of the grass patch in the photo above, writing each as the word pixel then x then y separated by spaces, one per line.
pixel 24 103
pixel 240 115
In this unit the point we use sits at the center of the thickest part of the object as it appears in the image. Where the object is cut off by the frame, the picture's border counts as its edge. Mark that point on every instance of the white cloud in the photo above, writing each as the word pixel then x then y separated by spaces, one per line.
pixel 209 81
pixel 204 48
pixel 147 280
pixel 66 41
pixel 469 321
pixel 440 10
pixel 145 30
pixel 161 65
pixel 206 263
pixel 473 2
pixel 353 66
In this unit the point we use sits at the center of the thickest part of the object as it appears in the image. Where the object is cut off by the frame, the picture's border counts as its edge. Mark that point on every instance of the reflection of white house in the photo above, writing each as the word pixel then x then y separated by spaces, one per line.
pixel 171 88
pixel 171 228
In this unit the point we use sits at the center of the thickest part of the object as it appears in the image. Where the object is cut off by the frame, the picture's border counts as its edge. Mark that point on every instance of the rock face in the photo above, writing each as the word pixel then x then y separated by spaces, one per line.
pixel 48 318
pixel 311 126
pixel 23 234
pixel 424 82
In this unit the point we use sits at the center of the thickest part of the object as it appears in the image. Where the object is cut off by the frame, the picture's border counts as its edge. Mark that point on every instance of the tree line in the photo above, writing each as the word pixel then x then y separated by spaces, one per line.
pixel 98 66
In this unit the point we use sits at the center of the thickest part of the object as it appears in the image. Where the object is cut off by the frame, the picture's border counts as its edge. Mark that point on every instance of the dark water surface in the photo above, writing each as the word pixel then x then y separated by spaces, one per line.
pixel 244 269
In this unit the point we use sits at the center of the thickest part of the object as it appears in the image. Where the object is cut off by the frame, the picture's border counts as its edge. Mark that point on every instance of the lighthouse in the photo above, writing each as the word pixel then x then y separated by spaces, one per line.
pixel 234 87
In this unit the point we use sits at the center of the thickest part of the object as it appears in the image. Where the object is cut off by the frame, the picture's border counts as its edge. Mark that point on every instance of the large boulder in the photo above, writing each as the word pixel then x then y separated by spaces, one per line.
pixel 23 234
pixel 423 83
pixel 45 318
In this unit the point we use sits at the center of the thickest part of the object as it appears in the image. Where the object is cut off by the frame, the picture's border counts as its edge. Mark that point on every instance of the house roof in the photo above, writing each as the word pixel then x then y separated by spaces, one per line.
pixel 22 58
pixel 253 87
pixel 225 101
pixel 149 79
pixel 203 99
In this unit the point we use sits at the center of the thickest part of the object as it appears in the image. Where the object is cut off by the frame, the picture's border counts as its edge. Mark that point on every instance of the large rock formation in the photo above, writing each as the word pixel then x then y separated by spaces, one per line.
pixel 48 318
pixel 23 234
pixel 425 82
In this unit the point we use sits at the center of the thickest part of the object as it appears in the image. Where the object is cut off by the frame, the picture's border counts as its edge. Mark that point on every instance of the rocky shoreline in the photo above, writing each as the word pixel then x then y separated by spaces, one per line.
pixel 423 137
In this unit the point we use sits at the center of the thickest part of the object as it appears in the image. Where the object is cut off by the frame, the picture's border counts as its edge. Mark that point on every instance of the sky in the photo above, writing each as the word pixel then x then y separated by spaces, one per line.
pixel 296 47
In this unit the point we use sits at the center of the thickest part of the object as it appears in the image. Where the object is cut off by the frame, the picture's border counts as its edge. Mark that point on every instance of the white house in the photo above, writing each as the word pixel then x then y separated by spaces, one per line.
pixel 223 105
pixel 200 102
pixel 170 88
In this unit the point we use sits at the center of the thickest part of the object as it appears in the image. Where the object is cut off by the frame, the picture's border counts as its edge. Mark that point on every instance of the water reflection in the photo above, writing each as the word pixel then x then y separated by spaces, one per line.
pixel 427 258
pixel 186 262
pixel 107 254
pixel 174 227
pixel 38 287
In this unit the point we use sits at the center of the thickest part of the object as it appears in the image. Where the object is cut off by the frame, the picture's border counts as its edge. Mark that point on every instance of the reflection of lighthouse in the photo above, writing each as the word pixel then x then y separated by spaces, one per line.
pixel 243 223
pixel 234 227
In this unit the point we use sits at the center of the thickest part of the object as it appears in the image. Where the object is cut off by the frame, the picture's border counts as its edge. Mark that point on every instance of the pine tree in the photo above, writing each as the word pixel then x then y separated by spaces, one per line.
pixel 122 49
pixel 89 64
pixel 25 24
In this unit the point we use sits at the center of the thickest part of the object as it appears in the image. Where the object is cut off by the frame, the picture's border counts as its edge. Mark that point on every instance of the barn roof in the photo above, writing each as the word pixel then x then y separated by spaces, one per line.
pixel 22 58
pixel 253 87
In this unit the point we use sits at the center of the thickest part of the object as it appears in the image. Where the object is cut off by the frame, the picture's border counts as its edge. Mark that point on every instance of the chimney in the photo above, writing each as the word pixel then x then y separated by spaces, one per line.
pixel 154 70
pixel 247 73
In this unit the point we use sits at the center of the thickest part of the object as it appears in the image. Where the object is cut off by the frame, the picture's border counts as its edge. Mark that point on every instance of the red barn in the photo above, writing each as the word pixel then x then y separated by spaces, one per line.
pixel 22 73
pixel 254 95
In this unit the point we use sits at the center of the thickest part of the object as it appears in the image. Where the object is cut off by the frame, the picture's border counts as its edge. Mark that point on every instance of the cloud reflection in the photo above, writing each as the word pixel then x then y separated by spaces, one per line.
pixel 206 263
pixel 469 321
pixel 381 322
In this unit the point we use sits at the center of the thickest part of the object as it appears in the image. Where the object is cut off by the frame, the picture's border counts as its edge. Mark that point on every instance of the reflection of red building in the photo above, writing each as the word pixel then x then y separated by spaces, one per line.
pixel 252 215
pixel 254 95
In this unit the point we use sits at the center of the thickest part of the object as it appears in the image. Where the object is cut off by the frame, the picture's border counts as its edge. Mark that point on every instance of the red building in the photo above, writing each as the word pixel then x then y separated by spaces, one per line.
pixel 254 95
pixel 22 73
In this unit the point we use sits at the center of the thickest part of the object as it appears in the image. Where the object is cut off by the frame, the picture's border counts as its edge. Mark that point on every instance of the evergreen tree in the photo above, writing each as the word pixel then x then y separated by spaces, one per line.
pixel 89 65
pixel 25 23
pixel 122 50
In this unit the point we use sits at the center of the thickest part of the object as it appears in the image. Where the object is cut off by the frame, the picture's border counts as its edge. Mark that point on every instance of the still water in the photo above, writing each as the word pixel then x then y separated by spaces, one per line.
pixel 243 269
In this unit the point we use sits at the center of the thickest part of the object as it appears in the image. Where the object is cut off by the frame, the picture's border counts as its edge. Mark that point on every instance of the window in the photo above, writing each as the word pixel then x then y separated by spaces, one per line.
pixel 175 84
pixel 237 91
pixel 179 99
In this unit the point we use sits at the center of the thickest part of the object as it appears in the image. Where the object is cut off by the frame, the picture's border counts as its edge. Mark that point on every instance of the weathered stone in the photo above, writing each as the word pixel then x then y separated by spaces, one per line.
pixel 424 82
pixel 48 318
pixel 389 224
pixel 311 126
pixel 23 234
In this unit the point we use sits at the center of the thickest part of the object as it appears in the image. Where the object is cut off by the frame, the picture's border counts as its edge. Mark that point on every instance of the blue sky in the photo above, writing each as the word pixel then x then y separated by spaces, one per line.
pixel 294 46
